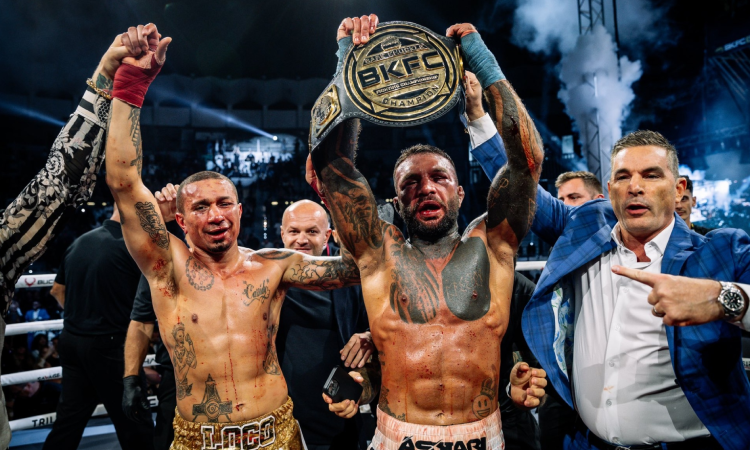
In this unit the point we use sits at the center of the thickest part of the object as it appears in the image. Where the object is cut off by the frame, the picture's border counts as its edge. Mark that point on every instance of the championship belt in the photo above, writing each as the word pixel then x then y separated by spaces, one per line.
pixel 404 75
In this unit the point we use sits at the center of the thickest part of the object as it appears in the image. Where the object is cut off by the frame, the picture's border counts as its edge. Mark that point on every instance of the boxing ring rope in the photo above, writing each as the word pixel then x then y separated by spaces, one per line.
pixel 50 373
pixel 44 420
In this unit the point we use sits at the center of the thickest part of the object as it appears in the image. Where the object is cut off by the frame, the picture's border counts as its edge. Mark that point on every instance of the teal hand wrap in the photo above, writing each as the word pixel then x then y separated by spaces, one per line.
pixel 344 44
pixel 480 60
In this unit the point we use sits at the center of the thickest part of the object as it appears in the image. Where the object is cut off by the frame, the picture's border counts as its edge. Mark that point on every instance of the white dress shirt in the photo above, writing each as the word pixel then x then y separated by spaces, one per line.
pixel 623 382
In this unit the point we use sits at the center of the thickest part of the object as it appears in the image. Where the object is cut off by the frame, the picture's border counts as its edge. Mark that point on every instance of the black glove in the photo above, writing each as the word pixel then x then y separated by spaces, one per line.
pixel 135 404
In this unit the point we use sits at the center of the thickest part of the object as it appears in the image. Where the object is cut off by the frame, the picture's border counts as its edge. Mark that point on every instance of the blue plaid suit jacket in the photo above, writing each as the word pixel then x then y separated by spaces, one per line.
pixel 706 358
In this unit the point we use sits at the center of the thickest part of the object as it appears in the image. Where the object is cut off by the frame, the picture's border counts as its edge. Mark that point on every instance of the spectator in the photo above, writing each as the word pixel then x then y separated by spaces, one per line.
pixel 40 351
pixel 684 207
pixel 319 330
pixel 36 314
pixel 36 397
pixel 577 188
pixel 14 313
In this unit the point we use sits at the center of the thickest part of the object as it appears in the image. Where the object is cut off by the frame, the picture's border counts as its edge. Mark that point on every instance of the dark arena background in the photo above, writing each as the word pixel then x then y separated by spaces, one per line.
pixel 236 92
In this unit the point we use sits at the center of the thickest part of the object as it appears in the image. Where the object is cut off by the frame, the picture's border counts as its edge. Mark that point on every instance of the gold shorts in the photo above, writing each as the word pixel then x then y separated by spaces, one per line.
pixel 276 430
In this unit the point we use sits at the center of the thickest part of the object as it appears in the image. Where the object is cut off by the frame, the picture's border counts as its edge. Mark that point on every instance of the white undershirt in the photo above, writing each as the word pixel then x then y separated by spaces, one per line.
pixel 623 381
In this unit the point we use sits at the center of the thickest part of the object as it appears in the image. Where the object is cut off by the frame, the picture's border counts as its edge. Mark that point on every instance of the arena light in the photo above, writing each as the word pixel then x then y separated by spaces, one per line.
pixel 217 113
pixel 30 113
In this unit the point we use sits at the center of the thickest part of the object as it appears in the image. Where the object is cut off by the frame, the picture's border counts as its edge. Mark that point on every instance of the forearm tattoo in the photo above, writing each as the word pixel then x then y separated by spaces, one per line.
pixel 326 274
pixel 151 224
pixel 372 374
pixel 135 137
pixel 198 274
pixel 353 206
pixel 103 82
pixel 513 191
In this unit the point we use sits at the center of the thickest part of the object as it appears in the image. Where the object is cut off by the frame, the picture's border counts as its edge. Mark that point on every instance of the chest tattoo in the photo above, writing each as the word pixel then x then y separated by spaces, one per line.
pixel 417 288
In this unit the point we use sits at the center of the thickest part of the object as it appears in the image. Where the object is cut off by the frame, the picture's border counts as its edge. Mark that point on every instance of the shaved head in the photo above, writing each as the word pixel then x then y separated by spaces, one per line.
pixel 305 227
pixel 304 207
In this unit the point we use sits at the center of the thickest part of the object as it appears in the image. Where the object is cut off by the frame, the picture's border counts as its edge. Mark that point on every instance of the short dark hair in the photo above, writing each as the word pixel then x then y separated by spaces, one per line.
pixel 416 150
pixel 645 137
pixel 590 181
pixel 689 186
pixel 200 176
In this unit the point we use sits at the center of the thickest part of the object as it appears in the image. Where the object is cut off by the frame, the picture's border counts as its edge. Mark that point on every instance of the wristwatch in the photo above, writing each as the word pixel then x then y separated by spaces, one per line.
pixel 731 300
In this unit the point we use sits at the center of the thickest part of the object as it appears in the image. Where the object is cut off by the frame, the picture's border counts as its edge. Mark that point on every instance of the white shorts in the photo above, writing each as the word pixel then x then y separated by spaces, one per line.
pixel 393 434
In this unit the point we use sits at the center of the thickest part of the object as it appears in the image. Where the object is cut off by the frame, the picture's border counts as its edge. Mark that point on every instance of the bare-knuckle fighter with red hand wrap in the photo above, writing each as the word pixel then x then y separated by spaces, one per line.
pixel 131 82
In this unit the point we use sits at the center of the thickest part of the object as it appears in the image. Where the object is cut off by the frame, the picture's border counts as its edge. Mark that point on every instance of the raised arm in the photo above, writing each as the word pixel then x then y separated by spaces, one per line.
pixel 511 201
pixel 352 205
pixel 66 181
pixel 142 224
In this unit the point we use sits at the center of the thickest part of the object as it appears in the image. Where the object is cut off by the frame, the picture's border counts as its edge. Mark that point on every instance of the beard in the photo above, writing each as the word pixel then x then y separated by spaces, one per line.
pixel 434 229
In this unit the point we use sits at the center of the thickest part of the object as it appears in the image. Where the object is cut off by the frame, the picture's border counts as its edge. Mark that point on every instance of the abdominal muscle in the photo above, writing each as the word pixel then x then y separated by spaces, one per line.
pixel 235 375
pixel 441 373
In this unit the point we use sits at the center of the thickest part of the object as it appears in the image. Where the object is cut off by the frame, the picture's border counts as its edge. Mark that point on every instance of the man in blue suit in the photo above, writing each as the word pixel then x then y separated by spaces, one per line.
pixel 608 320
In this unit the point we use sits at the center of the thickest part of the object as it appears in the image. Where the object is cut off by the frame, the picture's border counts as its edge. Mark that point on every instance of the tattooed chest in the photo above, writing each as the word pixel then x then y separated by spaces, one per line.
pixel 419 291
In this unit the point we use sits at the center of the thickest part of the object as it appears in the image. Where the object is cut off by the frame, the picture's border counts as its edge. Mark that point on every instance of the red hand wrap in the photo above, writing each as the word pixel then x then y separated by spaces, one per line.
pixel 131 82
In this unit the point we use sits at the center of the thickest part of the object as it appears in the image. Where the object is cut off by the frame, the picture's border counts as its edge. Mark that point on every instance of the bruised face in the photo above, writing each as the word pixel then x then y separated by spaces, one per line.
pixel 211 217
pixel 428 195
pixel 643 191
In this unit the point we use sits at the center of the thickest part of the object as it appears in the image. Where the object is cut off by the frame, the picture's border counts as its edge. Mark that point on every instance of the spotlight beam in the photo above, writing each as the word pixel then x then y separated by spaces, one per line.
pixel 219 114
pixel 23 111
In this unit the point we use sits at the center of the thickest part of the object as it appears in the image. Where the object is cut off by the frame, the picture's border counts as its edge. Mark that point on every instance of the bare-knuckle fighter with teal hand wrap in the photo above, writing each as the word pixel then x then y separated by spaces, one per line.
pixel 480 60
pixel 477 58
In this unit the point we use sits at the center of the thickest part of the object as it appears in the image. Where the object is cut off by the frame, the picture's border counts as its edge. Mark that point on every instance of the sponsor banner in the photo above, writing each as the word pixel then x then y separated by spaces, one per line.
pixel 741 42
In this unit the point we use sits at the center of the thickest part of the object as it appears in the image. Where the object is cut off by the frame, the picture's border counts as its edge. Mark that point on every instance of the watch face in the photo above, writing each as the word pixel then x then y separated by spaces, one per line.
pixel 733 301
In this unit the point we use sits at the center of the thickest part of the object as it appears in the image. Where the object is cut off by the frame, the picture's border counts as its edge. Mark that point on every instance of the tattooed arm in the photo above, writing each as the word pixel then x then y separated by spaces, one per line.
pixel 142 224
pixel 352 205
pixel 67 180
pixel 511 200
pixel 315 273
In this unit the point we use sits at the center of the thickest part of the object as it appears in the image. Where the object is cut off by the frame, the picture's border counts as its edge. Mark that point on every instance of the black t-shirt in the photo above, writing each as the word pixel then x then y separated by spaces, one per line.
pixel 308 324
pixel 100 279
pixel 143 311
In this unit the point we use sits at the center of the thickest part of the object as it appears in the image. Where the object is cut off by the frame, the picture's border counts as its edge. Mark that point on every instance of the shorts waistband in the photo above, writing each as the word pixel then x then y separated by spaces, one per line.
pixel 275 430
pixel 490 428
